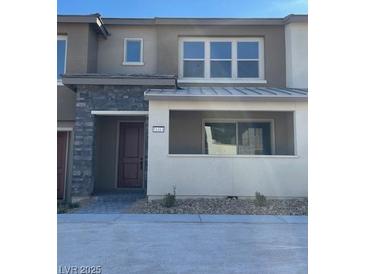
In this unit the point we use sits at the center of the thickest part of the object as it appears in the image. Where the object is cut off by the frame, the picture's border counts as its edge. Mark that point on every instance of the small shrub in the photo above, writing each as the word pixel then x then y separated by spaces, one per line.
pixel 260 199
pixel 169 199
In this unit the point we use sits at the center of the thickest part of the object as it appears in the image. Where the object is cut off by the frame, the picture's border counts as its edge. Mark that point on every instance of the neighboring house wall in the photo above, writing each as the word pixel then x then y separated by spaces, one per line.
pixel 77 46
pixel 296 43
pixel 111 50
pixel 274 48
pixel 66 99
pixel 92 57
pixel 225 175
pixel 81 58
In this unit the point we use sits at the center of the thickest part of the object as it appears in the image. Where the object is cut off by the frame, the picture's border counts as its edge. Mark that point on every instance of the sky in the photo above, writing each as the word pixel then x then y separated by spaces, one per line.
pixel 183 8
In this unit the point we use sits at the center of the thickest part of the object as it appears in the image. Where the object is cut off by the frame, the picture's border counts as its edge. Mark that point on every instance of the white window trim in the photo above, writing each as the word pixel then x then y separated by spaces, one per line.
pixel 220 60
pixel 260 59
pixel 194 59
pixel 236 121
pixel 125 62
pixel 63 37
pixel 234 60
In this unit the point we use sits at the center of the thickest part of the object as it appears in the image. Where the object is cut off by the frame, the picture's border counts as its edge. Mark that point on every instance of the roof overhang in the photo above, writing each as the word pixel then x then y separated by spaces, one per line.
pixel 194 21
pixel 295 18
pixel 94 19
pixel 228 94
pixel 206 21
pixel 73 80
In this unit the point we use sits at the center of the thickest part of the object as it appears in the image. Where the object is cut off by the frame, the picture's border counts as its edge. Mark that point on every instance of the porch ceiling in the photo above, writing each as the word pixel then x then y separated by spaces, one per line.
pixel 228 93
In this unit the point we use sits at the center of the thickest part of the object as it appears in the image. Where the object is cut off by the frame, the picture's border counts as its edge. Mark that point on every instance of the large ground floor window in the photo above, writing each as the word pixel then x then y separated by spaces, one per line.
pixel 238 137
pixel 231 132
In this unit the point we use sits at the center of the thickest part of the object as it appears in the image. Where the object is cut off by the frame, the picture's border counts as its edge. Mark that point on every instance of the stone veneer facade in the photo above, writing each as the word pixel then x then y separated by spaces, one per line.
pixel 97 97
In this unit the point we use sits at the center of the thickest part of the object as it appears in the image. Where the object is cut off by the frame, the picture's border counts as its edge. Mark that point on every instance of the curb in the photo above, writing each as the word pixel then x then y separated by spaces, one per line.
pixel 180 218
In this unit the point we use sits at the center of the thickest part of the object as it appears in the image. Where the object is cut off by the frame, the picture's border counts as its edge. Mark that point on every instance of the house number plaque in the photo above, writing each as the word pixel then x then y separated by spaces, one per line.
pixel 158 129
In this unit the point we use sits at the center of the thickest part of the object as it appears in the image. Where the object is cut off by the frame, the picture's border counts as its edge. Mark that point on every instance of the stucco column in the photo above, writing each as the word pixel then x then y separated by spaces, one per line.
pixel 301 130
pixel 84 137
pixel 157 147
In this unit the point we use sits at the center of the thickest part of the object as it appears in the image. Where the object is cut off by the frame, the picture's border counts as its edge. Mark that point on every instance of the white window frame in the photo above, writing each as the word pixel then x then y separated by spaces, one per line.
pixel 234 60
pixel 193 59
pixel 125 62
pixel 260 59
pixel 230 60
pixel 64 38
pixel 237 121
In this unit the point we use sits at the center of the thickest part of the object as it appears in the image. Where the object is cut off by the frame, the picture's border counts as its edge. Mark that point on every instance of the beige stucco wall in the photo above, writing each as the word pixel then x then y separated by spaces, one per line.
pixel 161 50
pixel 66 99
pixel 274 46
pixel 296 43
pixel 92 58
pixel 82 45
pixel 77 46
pixel 111 50
pixel 238 175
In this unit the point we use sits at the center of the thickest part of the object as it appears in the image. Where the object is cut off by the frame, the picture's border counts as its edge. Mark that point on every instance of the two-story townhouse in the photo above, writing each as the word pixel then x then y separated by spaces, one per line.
pixel 215 107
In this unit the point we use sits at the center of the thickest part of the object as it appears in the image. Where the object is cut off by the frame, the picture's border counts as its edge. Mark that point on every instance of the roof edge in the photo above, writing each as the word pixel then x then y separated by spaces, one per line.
pixel 274 94
pixel 182 20
pixel 73 80
pixel 94 19
pixel 295 18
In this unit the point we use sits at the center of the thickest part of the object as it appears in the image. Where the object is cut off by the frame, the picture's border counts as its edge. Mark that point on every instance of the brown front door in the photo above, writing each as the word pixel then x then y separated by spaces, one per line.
pixel 61 163
pixel 131 153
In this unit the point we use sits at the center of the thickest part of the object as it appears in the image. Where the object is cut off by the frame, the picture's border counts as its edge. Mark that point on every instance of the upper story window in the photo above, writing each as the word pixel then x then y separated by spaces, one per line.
pixel 221 60
pixel 193 59
pixel 61 55
pixel 248 60
pixel 133 51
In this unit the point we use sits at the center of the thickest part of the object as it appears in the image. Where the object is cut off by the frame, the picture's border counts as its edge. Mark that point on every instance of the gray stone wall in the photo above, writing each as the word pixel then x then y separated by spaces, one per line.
pixel 88 98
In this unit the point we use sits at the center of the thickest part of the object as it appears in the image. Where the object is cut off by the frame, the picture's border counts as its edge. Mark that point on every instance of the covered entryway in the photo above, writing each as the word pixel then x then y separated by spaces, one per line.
pixel 131 155
pixel 120 151
pixel 61 163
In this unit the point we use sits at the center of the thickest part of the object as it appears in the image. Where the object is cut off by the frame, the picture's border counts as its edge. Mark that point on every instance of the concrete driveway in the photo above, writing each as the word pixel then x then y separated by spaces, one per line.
pixel 136 243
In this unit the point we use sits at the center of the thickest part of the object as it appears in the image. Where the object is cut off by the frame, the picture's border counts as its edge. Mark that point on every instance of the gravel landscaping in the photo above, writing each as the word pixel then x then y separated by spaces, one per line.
pixel 224 206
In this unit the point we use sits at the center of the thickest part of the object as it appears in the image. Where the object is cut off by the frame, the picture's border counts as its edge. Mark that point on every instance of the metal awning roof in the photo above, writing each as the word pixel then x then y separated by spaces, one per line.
pixel 228 93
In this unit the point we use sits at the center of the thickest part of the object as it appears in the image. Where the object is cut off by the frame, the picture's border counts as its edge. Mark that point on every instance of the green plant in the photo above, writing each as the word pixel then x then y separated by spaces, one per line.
pixel 260 199
pixel 169 199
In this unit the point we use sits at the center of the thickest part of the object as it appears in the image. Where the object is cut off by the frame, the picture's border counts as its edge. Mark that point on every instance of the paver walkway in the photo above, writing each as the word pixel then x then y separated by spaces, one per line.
pixel 110 203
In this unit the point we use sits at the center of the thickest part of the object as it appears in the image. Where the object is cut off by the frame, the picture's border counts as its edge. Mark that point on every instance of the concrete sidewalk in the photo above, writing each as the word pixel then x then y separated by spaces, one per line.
pixel 181 218
pixel 163 243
